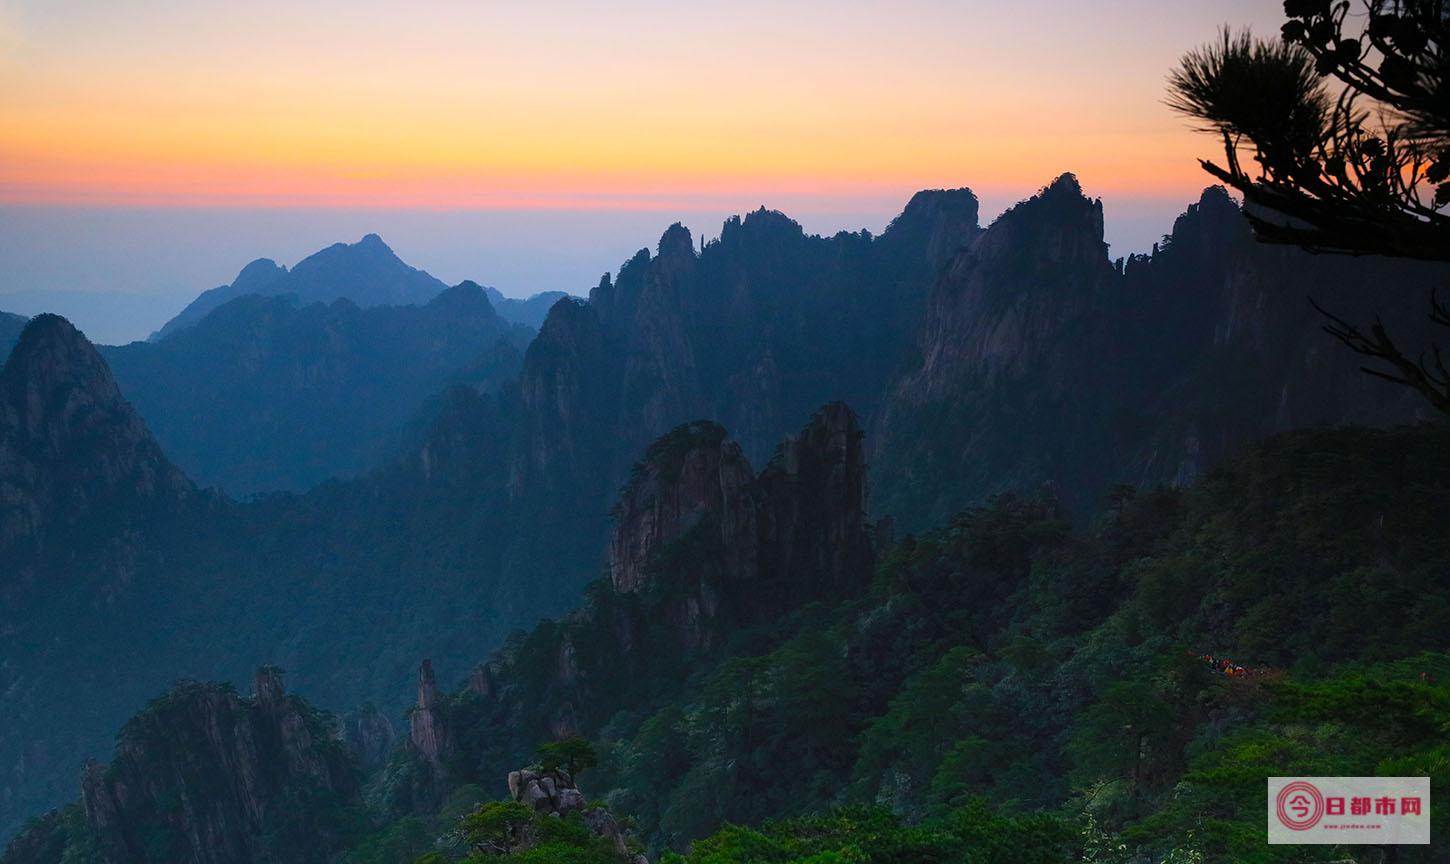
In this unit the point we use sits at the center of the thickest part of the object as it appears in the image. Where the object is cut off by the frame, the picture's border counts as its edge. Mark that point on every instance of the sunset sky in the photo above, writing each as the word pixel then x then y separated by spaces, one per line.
pixel 606 119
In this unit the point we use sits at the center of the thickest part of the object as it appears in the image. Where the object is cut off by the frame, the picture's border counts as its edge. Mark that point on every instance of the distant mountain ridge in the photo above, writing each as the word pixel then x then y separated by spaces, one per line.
pixel 270 393
pixel 367 273
pixel 531 310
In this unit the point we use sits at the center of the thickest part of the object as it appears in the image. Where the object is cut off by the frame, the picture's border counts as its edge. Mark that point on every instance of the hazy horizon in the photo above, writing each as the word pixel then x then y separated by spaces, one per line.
pixel 149 150
pixel 119 273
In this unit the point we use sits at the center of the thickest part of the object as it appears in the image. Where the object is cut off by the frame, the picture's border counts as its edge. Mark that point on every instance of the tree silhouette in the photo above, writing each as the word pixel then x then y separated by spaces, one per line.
pixel 571 754
pixel 1363 168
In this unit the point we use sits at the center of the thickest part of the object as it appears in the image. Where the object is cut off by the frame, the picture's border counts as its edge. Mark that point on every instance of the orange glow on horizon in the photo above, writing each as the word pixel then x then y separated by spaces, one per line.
pixel 461 106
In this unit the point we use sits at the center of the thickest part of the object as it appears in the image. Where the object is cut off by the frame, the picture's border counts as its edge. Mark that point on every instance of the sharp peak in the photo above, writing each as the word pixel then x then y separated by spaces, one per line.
pixel 51 348
pixel 48 326
pixel 368 243
pixel 676 240
pixel 1217 196
pixel 1063 194
pixel 1065 182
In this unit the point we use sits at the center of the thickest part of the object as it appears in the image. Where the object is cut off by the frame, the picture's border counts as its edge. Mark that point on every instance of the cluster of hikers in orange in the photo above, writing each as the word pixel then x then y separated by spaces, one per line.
pixel 1228 668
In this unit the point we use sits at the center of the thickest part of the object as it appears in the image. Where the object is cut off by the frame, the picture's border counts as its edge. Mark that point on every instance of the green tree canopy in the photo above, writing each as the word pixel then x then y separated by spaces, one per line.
pixel 573 754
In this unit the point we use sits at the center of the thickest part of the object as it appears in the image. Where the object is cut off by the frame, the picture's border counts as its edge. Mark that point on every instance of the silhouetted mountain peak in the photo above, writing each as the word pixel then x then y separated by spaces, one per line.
pixel 367 273
pixel 1066 184
pixel 1217 196
pixel 465 295
pixel 69 443
pixel 929 205
pixel 765 220
pixel 565 317
pixel 1059 224
pixel 1211 226
pixel 676 241
pixel 370 248
pixel 939 220
pixel 51 358
pixel 257 276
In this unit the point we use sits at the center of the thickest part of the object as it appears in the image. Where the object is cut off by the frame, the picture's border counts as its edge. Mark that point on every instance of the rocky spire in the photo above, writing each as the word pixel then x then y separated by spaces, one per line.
pixel 693 476
pixel 481 679
pixel 268 687
pixel 813 527
pixel 427 726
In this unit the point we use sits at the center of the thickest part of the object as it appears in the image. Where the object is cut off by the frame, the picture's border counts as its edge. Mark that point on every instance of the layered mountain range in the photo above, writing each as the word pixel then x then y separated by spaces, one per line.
pixel 1015 357
pixel 286 378
pixel 267 393
pixel 367 273
pixel 759 650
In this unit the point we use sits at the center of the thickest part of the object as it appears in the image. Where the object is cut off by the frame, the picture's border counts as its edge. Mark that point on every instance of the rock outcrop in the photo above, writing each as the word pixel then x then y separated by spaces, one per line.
pixel 694 478
pixel 73 453
pixel 205 776
pixel 814 495
pixel 552 792
pixel 428 723
pixel 546 790
pixel 697 530
pixel 701 548
pixel 755 330
pixel 369 736
pixel 1040 362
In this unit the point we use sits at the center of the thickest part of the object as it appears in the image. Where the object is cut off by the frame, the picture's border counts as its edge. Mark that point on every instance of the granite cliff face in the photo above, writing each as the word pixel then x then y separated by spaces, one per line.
pixel 693 478
pixel 73 453
pixel 1039 362
pixel 427 728
pixel 753 330
pixel 814 493
pixel 209 777
pixel 701 549
pixel 369 736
